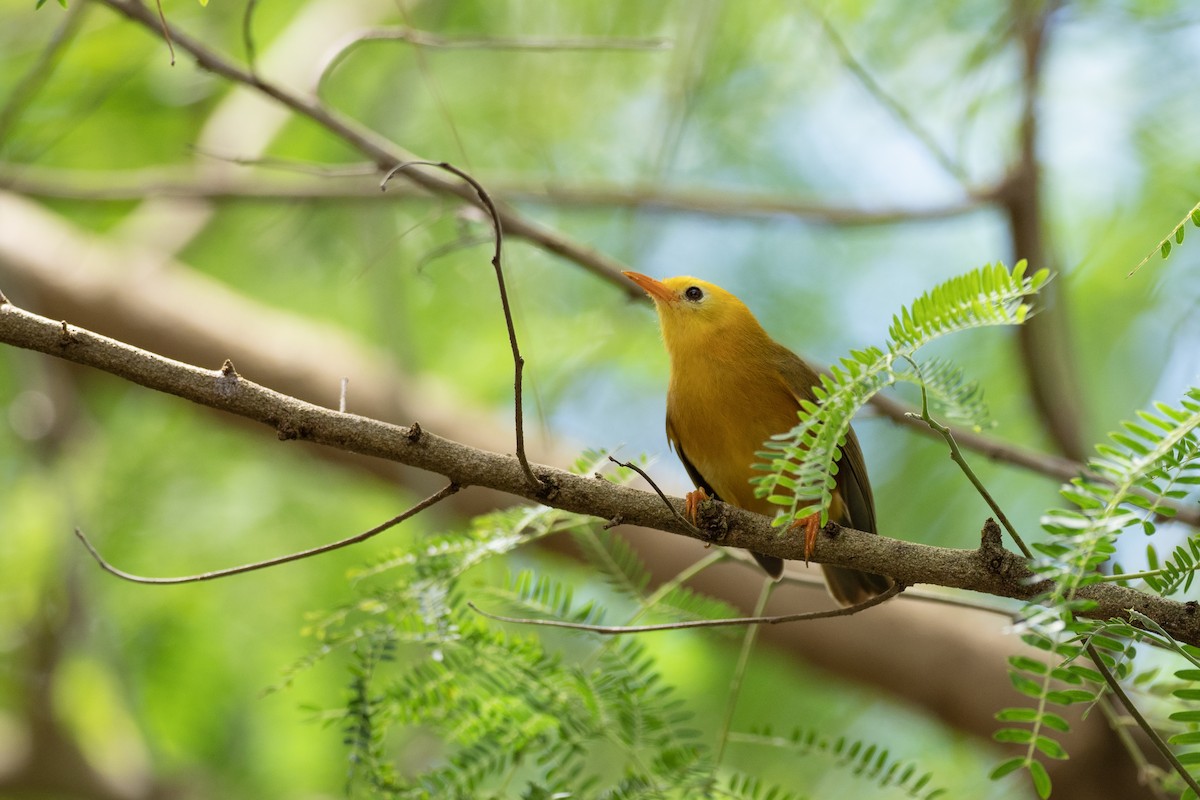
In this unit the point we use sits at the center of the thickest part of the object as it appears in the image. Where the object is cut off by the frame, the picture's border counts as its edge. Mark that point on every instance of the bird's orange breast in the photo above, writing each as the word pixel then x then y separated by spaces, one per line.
pixel 720 417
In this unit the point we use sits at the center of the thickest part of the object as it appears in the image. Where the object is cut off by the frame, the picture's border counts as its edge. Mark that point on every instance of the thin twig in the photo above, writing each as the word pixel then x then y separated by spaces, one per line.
pixel 739 670
pixel 1149 775
pixel 616 630
pixel 893 105
pixel 422 38
pixel 957 457
pixel 553 44
pixel 1052 466
pixel 666 500
pixel 248 36
pixel 1118 577
pixel 446 248
pixel 317 168
pixel 445 492
pixel 518 360
pixel 1147 728
pixel 166 31
pixel 120 185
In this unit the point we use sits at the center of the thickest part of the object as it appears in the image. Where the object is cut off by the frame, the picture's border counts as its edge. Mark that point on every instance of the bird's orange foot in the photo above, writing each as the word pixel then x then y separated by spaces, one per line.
pixel 691 505
pixel 811 529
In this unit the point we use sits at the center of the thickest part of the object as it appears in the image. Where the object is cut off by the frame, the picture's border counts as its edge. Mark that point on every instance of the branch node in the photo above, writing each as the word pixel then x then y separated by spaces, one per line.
pixel 485 202
pixel 66 338
pixel 286 431
pixel 3 300
pixel 227 383
pixel 996 559
pixel 991 538
pixel 712 518
pixel 614 522
pixel 714 521
pixel 414 433
pixel 687 523
pixel 547 487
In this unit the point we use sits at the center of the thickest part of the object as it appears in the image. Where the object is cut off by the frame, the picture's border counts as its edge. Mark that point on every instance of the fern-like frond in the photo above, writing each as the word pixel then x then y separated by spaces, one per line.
pixel 615 560
pixel 1177 572
pixel 749 787
pixel 1036 728
pixel 543 596
pixel 1147 460
pixel 988 296
pixel 1175 237
pixel 506 707
pixel 1177 720
pixel 490 535
pixel 363 733
pixel 1134 473
pixel 800 464
pixel 949 392
pixel 862 759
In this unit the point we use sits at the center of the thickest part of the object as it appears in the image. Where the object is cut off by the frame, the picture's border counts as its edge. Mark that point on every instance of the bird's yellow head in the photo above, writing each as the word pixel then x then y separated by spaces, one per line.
pixel 699 317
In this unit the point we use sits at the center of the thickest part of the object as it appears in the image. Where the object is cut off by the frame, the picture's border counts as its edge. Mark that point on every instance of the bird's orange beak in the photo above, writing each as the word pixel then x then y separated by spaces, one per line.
pixel 656 289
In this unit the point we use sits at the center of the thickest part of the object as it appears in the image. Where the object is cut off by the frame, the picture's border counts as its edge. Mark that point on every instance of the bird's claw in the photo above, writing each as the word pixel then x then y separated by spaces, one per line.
pixel 691 506
pixel 811 529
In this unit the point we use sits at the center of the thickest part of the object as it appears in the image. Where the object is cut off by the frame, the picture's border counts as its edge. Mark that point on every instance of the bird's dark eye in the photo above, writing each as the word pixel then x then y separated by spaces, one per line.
pixel 694 294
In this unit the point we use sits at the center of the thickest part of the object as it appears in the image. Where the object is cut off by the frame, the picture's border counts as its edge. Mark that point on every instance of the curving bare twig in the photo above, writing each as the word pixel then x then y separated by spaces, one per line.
pixel 617 630
pixel 666 500
pixel 433 499
pixel 957 457
pixel 518 359
pixel 166 30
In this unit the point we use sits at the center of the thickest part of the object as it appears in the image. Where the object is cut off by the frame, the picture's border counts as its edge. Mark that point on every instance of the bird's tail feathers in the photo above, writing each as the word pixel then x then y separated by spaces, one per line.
pixel 851 586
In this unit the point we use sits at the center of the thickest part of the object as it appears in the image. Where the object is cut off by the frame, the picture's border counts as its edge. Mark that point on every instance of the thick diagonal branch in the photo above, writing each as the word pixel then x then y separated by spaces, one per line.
pixel 989 569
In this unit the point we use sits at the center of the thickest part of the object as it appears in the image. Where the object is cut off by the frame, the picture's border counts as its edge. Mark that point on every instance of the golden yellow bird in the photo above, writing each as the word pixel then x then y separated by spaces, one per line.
pixel 732 387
